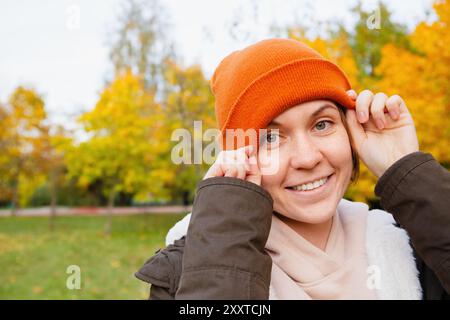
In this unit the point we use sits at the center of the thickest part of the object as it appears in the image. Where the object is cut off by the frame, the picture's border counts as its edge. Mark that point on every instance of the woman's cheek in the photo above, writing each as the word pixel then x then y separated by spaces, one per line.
pixel 337 150
pixel 269 161
pixel 273 166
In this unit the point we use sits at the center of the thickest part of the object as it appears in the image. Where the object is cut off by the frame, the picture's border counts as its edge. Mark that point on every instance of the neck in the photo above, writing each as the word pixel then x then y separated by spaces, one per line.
pixel 316 234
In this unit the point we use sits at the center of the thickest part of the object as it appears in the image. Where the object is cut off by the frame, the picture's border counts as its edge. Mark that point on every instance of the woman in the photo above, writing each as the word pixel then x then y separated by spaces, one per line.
pixel 269 220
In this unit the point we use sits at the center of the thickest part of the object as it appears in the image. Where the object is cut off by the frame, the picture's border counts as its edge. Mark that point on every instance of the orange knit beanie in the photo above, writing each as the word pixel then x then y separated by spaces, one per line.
pixel 254 85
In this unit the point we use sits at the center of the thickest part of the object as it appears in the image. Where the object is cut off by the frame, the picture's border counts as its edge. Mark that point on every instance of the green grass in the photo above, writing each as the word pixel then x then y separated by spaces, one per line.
pixel 33 260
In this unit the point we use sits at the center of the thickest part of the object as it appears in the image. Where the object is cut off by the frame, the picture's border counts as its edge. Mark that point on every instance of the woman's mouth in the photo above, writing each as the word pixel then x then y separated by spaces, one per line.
pixel 312 188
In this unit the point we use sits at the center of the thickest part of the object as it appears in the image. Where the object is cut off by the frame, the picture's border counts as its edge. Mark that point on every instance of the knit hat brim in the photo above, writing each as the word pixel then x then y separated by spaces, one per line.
pixel 278 89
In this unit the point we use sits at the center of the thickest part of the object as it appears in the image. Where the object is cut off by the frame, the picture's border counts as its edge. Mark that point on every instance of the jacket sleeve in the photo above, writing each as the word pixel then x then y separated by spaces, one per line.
pixel 224 256
pixel 416 190
pixel 163 271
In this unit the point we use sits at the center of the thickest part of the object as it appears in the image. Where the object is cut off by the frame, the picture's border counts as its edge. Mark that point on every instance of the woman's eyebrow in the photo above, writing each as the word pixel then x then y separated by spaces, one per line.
pixel 323 108
pixel 274 123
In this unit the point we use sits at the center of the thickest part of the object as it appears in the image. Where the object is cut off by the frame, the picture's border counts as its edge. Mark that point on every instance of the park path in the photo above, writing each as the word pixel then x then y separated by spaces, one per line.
pixel 95 211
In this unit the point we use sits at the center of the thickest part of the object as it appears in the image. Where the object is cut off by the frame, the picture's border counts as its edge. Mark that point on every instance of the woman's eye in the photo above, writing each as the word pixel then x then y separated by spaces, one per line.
pixel 271 138
pixel 322 125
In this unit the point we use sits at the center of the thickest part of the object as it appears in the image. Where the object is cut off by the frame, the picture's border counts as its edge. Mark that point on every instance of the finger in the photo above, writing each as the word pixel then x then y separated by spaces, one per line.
pixel 247 165
pixel 231 172
pixel 219 170
pixel 241 172
pixel 396 102
pixel 352 94
pixel 363 104
pixel 211 171
pixel 254 174
pixel 377 110
pixel 249 153
pixel 249 150
pixel 240 155
pixel 357 132
pixel 253 165
pixel 220 158
pixel 230 157
pixel 393 106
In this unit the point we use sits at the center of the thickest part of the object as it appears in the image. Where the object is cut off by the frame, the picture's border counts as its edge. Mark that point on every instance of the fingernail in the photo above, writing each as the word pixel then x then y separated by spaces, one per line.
pixel 379 123
pixel 361 116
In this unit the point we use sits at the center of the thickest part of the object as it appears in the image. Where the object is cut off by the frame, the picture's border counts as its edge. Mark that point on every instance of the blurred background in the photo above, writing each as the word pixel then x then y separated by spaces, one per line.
pixel 91 92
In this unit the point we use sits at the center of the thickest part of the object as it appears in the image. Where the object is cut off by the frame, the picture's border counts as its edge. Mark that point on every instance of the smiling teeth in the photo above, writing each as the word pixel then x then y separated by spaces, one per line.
pixel 312 185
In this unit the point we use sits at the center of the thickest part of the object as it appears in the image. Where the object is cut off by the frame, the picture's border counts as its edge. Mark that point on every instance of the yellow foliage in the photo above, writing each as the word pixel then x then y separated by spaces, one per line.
pixel 123 125
pixel 420 77
pixel 336 50
pixel 24 145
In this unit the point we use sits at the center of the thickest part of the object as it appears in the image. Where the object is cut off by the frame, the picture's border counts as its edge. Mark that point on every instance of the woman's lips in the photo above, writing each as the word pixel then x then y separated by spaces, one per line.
pixel 315 193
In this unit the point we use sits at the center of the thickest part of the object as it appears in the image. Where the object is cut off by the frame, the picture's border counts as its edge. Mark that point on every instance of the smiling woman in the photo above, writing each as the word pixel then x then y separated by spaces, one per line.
pixel 288 233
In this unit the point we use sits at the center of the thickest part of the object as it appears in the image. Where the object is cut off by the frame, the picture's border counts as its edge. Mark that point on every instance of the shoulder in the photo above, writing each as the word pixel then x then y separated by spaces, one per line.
pixel 389 250
pixel 381 228
pixel 163 269
pixel 376 219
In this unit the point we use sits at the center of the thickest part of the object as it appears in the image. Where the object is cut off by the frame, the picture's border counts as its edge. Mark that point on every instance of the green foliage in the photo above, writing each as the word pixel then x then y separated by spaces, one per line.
pixel 367 43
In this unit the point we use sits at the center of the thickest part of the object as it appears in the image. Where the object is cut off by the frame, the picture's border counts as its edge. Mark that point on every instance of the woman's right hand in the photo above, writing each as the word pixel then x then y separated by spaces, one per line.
pixel 240 163
pixel 380 138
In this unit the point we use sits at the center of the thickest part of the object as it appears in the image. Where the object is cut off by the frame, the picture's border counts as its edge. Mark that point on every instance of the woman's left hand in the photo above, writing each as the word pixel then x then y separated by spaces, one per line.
pixel 380 138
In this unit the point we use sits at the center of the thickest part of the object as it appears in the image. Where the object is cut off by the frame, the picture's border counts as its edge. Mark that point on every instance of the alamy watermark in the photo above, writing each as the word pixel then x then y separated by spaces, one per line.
pixel 374 277
pixel 73 281
pixel 374 20
pixel 204 147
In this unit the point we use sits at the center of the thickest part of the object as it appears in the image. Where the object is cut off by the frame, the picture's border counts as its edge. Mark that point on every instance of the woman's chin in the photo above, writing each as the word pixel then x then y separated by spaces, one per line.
pixel 316 213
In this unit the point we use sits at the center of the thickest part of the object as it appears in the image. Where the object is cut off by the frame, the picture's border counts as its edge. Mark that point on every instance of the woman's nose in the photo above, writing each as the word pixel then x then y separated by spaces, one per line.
pixel 305 154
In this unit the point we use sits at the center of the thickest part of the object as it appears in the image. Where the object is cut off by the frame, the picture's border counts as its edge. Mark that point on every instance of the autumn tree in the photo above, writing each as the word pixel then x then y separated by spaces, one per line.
pixel 422 77
pixel 120 150
pixel 5 191
pixel 366 38
pixel 187 99
pixel 57 139
pixel 23 143
pixel 140 42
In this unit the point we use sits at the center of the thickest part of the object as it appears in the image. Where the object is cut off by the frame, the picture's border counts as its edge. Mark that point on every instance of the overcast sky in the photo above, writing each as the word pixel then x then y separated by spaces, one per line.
pixel 41 46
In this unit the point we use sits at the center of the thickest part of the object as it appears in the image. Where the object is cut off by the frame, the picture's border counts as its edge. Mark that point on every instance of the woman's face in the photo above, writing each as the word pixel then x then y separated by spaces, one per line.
pixel 314 157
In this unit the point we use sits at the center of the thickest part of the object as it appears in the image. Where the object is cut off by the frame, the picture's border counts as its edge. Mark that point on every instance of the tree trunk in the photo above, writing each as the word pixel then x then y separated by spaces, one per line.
pixel 53 197
pixel 15 198
pixel 108 224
